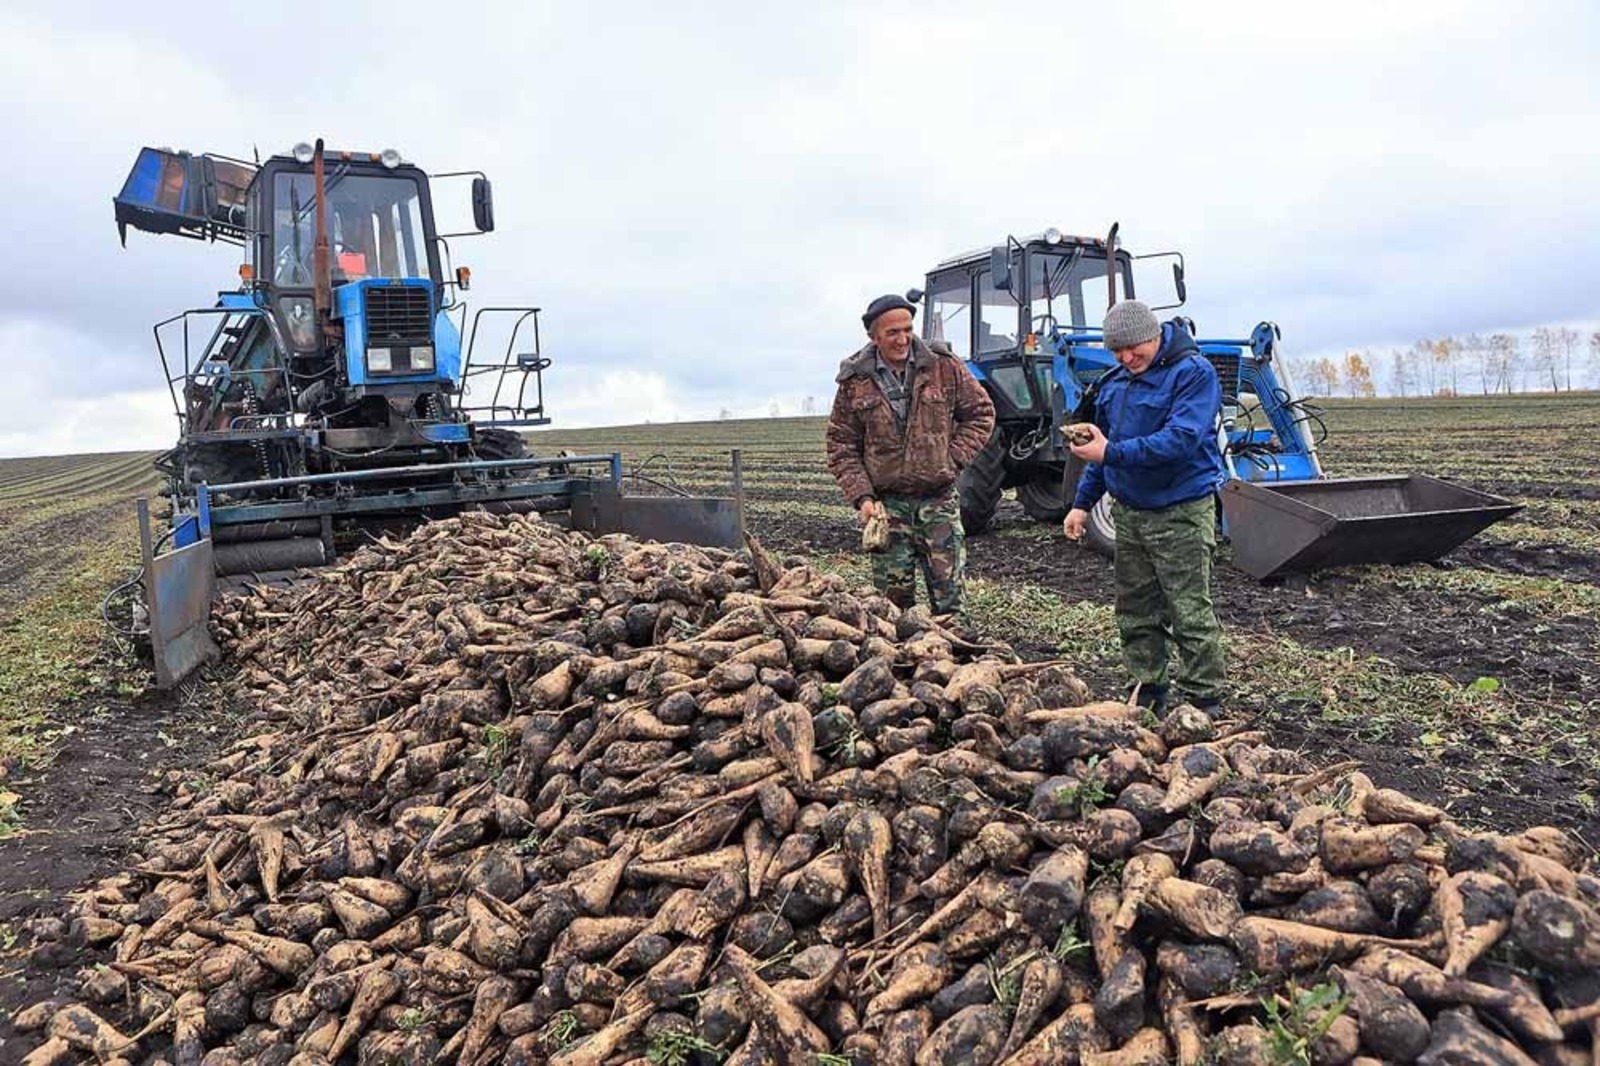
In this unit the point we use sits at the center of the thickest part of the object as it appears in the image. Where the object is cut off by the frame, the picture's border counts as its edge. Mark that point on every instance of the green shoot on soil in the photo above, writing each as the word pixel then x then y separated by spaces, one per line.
pixel 1296 1022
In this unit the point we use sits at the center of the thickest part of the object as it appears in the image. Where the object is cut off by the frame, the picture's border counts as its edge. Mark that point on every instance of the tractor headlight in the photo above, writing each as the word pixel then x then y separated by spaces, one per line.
pixel 380 360
pixel 1052 236
pixel 389 158
pixel 303 152
pixel 422 357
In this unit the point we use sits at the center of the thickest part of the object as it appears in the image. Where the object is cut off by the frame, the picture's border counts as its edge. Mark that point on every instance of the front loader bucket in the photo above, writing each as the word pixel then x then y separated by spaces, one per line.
pixel 1284 527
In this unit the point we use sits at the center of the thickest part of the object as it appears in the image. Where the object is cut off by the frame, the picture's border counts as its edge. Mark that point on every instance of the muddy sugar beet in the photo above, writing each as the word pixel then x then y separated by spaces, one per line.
pixel 527 797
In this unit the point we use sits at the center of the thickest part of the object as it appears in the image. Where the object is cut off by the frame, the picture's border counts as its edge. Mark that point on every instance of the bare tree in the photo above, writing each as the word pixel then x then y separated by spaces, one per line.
pixel 774 411
pixel 1445 351
pixel 1427 367
pixel 1594 357
pixel 1542 350
pixel 1566 340
pixel 724 414
pixel 1507 361
pixel 809 406
pixel 1476 350
pixel 1402 374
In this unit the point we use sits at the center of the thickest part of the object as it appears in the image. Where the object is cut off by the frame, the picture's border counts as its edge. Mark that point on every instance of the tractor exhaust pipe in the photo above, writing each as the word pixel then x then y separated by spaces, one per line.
pixel 321 259
pixel 1111 261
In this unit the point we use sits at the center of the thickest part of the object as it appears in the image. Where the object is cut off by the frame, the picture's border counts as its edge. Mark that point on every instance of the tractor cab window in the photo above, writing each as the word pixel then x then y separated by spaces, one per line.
pixel 997 319
pixel 374 228
pixel 950 311
pixel 1066 289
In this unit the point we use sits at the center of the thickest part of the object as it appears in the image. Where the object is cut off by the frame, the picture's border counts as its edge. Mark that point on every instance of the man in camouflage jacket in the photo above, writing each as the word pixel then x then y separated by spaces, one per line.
pixel 906 418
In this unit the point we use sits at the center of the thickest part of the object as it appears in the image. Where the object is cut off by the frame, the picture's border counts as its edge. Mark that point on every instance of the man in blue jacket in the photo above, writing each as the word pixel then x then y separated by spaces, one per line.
pixel 1154 448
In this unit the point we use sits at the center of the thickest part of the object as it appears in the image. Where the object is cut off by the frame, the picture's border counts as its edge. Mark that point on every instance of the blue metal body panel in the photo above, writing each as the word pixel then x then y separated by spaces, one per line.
pixel 446 346
pixel 185 531
pixel 145 177
pixel 447 433
pixel 349 305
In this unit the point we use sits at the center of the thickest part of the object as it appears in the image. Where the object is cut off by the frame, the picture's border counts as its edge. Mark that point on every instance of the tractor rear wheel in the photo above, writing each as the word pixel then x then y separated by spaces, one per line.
pixel 1042 496
pixel 496 443
pixel 979 486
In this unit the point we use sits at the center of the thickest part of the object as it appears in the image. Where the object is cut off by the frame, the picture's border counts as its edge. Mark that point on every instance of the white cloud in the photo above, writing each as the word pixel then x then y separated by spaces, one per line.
pixel 707 196
pixel 118 422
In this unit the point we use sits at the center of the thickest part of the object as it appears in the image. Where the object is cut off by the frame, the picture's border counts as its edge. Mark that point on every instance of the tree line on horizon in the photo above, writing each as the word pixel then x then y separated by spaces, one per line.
pixel 1550 359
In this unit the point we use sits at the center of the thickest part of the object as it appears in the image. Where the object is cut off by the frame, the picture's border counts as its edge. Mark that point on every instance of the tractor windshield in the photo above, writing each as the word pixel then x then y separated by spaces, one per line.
pixel 951 319
pixel 374 228
pixel 950 311
pixel 1066 287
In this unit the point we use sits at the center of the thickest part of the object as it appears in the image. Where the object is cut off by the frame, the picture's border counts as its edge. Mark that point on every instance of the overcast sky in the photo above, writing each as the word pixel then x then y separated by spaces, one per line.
pixel 703 196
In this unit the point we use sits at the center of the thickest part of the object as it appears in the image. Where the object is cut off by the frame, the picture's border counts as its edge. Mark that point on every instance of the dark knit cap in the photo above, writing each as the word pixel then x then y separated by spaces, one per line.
pixel 1128 324
pixel 884 304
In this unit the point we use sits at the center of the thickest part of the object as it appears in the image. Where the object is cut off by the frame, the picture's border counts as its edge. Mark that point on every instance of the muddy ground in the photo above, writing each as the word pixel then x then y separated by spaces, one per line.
pixel 115 765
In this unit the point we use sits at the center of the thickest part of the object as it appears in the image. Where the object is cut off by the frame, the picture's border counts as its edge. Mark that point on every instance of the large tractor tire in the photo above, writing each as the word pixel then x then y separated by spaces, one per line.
pixel 1043 498
pixel 980 484
pixel 497 443
pixel 1100 532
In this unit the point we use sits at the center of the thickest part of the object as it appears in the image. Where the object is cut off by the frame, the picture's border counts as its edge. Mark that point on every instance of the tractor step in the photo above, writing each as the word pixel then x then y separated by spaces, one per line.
pixel 1284 527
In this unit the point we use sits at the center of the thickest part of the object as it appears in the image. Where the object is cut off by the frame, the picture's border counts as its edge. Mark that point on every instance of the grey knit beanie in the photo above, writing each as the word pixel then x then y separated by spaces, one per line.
pixel 1130 323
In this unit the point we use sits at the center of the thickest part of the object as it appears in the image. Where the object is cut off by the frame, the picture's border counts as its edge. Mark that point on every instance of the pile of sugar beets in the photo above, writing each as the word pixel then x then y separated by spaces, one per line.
pixel 534 797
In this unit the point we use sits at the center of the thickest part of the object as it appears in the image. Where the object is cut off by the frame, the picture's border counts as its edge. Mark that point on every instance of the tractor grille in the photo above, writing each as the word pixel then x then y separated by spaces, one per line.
pixel 399 316
pixel 1229 367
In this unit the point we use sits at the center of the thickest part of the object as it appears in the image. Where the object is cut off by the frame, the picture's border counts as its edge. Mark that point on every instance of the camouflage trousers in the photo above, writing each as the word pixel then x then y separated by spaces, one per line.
pixel 924 534
pixel 1163 572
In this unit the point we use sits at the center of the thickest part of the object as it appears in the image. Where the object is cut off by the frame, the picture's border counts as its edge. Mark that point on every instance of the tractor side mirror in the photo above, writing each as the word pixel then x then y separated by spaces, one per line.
pixel 1000 268
pixel 914 296
pixel 1152 280
pixel 483 205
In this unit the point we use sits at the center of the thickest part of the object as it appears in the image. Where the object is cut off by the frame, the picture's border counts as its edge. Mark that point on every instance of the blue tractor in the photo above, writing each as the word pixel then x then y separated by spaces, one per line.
pixel 336 393
pixel 1025 315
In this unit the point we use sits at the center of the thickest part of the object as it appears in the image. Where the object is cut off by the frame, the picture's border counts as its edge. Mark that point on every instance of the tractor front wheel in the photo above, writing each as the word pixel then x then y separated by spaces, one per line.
pixel 497 443
pixel 1042 496
pixel 979 485
pixel 1100 531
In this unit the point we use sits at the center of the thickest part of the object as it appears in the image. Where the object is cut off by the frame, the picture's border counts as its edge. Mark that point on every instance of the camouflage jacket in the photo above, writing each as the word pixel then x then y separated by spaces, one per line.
pixel 949 422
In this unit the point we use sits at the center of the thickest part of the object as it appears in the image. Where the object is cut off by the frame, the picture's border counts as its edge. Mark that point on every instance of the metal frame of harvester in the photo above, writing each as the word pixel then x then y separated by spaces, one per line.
pixel 338 392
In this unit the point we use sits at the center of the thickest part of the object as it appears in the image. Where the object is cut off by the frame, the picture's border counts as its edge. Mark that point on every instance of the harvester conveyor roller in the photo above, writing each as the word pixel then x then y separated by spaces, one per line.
pixel 262 556
pixel 253 531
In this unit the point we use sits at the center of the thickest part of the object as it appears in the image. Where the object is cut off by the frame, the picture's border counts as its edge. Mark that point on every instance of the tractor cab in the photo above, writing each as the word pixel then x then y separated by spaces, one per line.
pixel 384 338
pixel 380 224
pixel 1009 309
pixel 343 322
